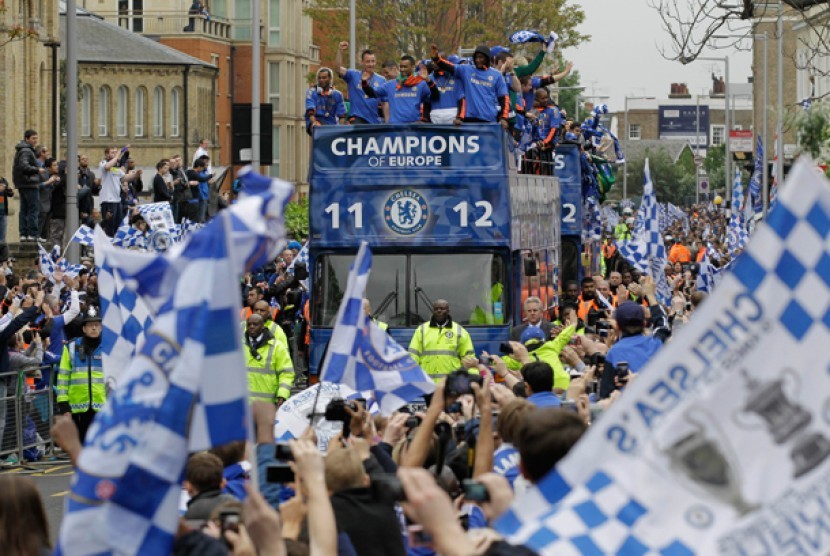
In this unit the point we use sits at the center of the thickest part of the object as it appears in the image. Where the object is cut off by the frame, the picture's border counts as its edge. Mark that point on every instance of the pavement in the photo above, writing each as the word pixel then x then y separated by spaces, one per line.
pixel 52 480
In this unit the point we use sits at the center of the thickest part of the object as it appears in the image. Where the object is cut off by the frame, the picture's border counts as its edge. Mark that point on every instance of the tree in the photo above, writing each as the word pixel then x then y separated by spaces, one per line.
pixel 568 97
pixel 715 166
pixel 692 26
pixel 10 33
pixel 813 127
pixel 673 182
pixel 296 218
pixel 394 27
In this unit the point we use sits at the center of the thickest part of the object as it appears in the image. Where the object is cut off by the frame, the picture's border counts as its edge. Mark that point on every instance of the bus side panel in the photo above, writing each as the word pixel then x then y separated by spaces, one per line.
pixel 567 168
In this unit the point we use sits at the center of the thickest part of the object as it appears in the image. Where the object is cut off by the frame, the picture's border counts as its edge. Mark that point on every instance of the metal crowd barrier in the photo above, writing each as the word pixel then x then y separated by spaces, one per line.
pixel 26 416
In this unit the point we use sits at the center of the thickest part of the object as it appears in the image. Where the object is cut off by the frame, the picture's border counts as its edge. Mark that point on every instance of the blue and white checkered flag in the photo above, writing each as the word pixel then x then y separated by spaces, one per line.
pixel 302 257
pixel 592 220
pixel 520 37
pixel 47 265
pixel 683 477
pixel 645 250
pixel 756 181
pixel 364 357
pixel 125 316
pixel 84 236
pixel 737 235
pixel 186 391
pixel 129 238
pixel 707 276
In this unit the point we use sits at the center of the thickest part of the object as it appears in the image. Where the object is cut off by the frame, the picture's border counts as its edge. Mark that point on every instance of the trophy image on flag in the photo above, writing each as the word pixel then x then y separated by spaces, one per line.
pixel 785 419
pixel 708 464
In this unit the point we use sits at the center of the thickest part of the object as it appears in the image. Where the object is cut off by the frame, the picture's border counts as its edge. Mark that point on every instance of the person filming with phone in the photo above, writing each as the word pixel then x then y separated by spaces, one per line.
pixel 635 347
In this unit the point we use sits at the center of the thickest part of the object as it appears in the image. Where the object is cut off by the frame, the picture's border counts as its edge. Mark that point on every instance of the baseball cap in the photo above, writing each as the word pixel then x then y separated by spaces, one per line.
pixel 295 245
pixel 532 333
pixel 629 313
pixel 627 210
pixel 454 58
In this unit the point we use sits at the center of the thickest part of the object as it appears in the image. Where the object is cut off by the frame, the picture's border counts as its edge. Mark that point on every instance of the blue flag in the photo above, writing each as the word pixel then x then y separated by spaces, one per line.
pixel 756 181
pixel 645 250
pixel 186 391
pixel 520 37
pixel 364 357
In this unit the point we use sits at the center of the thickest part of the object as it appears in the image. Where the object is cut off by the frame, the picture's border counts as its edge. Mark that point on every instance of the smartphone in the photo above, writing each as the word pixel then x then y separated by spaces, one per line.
pixel 418 538
pixel 230 520
pixel 475 491
pixel 283 452
pixel 279 473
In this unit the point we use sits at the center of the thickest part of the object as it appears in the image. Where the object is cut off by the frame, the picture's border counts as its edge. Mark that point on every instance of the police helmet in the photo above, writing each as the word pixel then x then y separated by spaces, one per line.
pixel 92 314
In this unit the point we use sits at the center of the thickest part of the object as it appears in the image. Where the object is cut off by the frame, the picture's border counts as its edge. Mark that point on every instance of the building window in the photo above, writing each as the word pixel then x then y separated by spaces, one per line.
pixel 274 170
pixel 718 135
pixel 274 86
pixel 158 112
pixel 103 111
pixel 86 111
pixel 634 132
pixel 140 96
pixel 274 22
pixel 242 20
pixel 121 112
pixel 175 110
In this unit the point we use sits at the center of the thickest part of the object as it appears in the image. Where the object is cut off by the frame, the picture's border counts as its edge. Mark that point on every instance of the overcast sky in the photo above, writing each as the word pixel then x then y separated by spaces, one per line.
pixel 622 58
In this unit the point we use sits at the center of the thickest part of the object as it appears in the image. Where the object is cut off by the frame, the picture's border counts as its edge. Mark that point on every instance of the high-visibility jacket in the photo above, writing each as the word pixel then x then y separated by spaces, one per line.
pixel 621 231
pixel 679 253
pixel 493 310
pixel 585 307
pixel 80 380
pixel 549 352
pixel 439 349
pixel 382 325
pixel 270 371
pixel 274 329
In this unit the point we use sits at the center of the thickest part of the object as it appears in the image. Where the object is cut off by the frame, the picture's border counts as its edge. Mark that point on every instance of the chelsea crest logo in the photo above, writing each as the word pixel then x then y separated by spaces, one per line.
pixel 406 212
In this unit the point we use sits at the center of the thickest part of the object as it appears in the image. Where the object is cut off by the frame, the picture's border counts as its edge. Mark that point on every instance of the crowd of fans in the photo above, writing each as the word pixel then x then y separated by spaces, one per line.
pixel 428 479
pixel 41 182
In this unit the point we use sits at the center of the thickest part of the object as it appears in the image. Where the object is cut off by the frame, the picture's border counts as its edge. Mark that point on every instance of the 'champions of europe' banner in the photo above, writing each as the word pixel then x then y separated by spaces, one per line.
pixel 722 444
pixel 407 147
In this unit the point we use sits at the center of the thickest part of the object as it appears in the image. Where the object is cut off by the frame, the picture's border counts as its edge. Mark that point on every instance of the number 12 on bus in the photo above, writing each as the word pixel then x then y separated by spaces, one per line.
pixel 458 223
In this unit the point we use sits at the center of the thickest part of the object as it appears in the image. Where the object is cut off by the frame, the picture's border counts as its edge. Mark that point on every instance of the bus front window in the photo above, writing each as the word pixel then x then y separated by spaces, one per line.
pixel 386 290
pixel 402 288
pixel 472 283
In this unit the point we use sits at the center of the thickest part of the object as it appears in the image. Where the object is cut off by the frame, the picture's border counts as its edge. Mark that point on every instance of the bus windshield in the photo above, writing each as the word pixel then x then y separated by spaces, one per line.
pixel 402 288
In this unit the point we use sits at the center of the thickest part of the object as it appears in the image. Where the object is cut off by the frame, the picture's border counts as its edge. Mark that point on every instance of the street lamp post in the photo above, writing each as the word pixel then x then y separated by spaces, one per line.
pixel 764 133
pixel 625 138
pixel 779 127
pixel 727 159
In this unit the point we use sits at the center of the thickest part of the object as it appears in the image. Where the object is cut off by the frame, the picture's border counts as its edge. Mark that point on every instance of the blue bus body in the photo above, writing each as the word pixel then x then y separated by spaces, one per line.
pixel 446 215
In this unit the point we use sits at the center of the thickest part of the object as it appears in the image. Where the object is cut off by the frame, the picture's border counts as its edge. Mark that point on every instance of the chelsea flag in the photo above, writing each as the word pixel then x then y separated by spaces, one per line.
pixel 722 445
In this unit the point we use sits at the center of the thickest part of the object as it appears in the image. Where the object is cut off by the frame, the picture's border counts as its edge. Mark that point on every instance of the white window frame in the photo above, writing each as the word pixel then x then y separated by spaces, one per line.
pixel 635 136
pixel 140 102
pixel 121 96
pixel 274 8
pixel 274 69
pixel 175 111
pixel 274 169
pixel 86 111
pixel 158 112
pixel 103 111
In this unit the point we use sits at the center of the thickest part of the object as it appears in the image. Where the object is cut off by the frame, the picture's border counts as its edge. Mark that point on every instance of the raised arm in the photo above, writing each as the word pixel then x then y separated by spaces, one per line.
pixel 534 64
pixel 440 62
pixel 338 58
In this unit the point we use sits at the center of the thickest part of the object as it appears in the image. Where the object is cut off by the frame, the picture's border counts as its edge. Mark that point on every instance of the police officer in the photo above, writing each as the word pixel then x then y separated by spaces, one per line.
pixel 270 371
pixel 440 346
pixel 80 385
